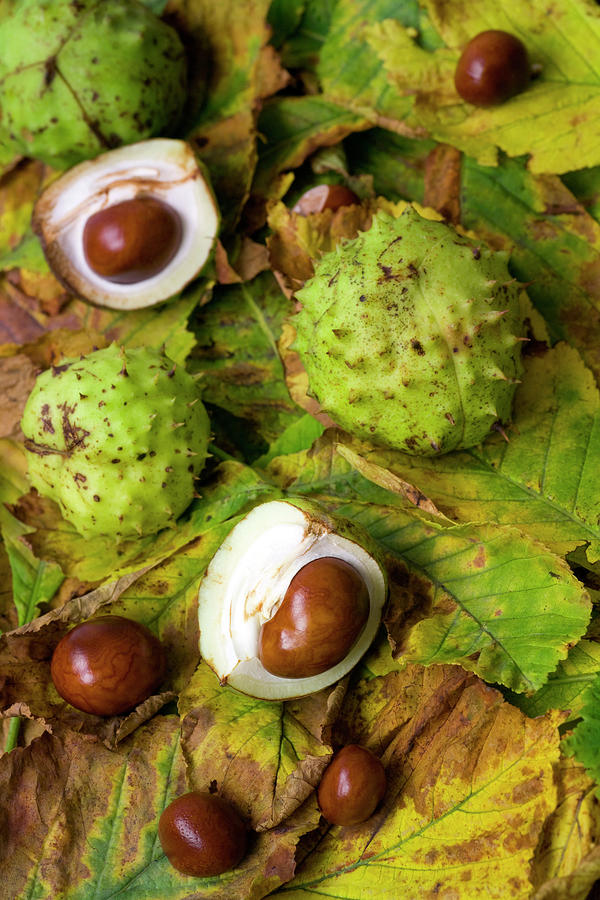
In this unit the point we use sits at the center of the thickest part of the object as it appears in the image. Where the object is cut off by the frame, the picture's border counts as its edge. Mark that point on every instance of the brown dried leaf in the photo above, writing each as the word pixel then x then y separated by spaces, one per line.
pixel 17 377
pixel 442 182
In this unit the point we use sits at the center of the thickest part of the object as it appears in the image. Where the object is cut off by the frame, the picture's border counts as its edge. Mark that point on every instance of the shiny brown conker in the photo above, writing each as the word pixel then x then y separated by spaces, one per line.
pixel 352 786
pixel 324 196
pixel 202 834
pixel 107 665
pixel 323 611
pixel 132 240
pixel 493 67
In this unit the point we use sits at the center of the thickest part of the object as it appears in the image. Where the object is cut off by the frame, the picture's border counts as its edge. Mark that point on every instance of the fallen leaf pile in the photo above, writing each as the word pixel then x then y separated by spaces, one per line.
pixel 481 692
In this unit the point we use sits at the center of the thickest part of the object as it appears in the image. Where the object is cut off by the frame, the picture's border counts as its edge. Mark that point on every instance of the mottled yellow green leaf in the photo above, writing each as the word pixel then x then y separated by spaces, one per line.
pixel 556 119
pixel 566 686
pixel 543 478
pixel 567 861
pixel 257 751
pixel 470 783
pixel 553 241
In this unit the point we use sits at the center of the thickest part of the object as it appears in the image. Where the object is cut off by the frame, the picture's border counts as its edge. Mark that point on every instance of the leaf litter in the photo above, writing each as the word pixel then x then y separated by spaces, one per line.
pixel 480 691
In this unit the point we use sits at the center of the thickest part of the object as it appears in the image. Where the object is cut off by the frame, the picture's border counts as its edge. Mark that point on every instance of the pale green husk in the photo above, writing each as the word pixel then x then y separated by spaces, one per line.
pixel 411 335
pixel 78 78
pixel 116 438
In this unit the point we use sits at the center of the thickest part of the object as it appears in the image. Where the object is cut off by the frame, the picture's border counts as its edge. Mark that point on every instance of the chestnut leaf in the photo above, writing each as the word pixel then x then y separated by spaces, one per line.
pixel 527 479
pixel 470 782
pixel 568 81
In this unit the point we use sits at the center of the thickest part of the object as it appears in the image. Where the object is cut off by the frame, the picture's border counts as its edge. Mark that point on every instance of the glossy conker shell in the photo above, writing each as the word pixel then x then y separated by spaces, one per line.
pixel 352 786
pixel 132 240
pixel 107 665
pixel 493 67
pixel 324 196
pixel 202 834
pixel 323 611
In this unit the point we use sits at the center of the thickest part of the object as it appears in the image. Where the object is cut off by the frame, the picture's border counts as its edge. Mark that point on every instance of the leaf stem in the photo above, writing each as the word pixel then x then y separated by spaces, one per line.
pixel 221 454
pixel 13 734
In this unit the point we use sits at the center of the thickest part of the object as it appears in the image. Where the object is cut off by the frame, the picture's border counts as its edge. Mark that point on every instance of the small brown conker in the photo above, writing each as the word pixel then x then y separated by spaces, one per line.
pixel 107 665
pixel 132 240
pixel 202 834
pixel 324 196
pixel 493 67
pixel 352 786
pixel 324 609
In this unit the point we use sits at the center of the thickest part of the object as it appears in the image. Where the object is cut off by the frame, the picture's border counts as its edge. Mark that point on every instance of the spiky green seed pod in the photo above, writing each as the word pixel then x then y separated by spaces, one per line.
pixel 410 335
pixel 116 438
pixel 78 78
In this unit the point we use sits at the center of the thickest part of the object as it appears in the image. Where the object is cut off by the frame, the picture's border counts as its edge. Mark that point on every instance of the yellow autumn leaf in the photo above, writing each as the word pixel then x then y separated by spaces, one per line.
pixel 470 783
pixel 556 119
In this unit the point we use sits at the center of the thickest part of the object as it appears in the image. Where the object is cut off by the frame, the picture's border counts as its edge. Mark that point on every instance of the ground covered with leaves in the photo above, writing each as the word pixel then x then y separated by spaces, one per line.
pixel 481 692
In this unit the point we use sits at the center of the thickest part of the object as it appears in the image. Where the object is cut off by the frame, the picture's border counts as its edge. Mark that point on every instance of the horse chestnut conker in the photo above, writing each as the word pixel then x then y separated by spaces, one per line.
pixel 324 609
pixel 107 665
pixel 352 785
pixel 493 67
pixel 324 196
pixel 202 834
pixel 132 240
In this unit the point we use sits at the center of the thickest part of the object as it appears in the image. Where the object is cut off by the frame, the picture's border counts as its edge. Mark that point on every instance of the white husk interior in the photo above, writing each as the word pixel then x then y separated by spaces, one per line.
pixel 245 585
pixel 165 168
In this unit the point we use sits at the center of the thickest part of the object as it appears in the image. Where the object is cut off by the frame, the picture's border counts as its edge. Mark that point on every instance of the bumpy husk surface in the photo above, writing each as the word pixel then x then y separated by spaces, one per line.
pixel 116 439
pixel 80 78
pixel 410 335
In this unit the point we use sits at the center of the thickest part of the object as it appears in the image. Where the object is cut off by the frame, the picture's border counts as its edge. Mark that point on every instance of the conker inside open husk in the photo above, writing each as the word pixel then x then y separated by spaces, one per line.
pixel 324 610
pixel 132 240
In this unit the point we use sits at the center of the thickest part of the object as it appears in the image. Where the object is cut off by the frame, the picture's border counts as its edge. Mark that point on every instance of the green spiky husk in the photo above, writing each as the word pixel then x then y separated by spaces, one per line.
pixel 116 438
pixel 410 335
pixel 77 79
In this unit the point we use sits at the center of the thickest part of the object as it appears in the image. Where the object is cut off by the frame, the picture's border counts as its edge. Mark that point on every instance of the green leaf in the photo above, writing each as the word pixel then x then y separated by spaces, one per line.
pixel 283 18
pixel 351 73
pixel 306 31
pixel 294 127
pixel 563 101
pixel 543 478
pixel 298 435
pixel 34 581
pixel 584 742
pixel 554 243
pixel 470 782
pixel 236 354
pixel 585 185
pixel 480 588
pixel 394 162
pixel 566 686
